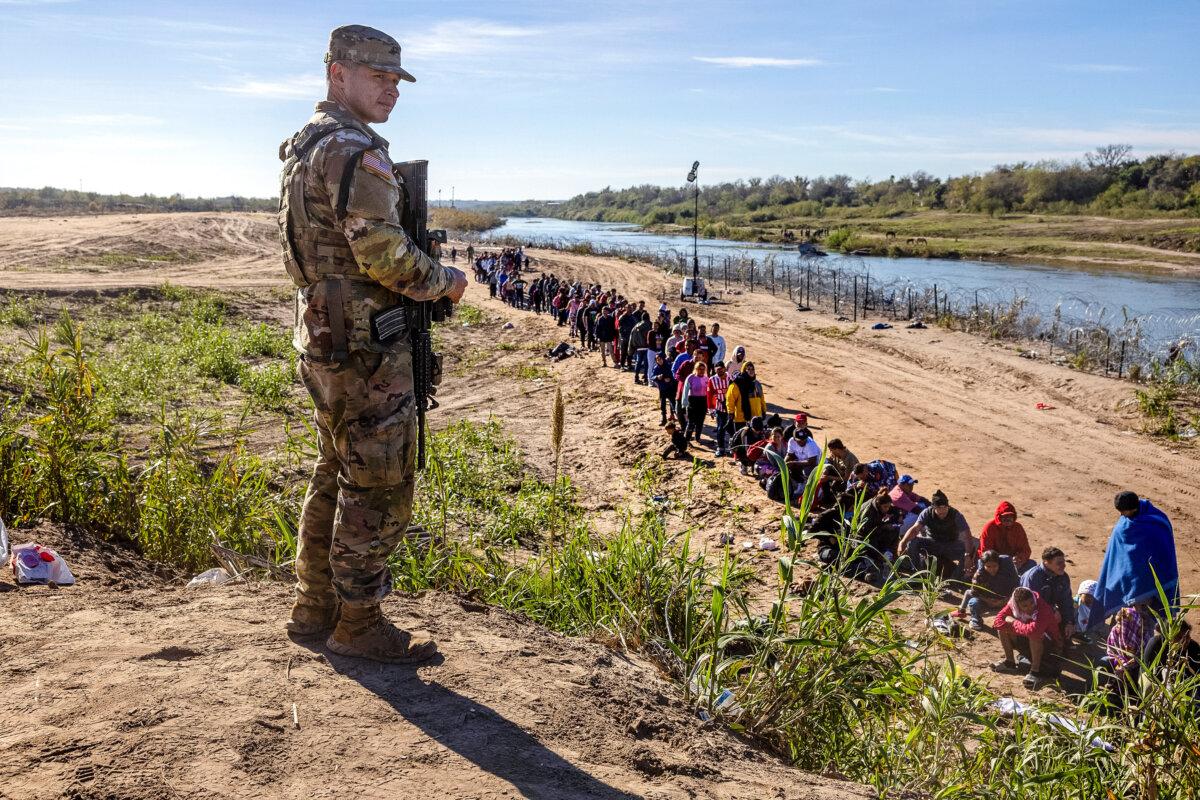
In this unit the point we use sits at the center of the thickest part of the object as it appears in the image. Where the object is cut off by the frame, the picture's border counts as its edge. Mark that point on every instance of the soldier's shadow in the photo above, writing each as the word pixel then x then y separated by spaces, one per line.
pixel 474 731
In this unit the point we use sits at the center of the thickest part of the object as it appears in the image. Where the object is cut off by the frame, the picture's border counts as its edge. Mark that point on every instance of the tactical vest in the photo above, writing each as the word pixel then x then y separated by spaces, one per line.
pixel 319 260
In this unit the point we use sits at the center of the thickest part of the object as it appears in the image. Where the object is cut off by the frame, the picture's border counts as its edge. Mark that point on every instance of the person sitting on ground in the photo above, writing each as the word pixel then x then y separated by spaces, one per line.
pixel 679 442
pixel 772 456
pixel 994 581
pixel 870 550
pixel 1007 537
pixel 1178 659
pixel 829 487
pixel 859 481
pixel 738 363
pixel 745 399
pixel 802 454
pixel 744 440
pixel 798 423
pixel 947 539
pixel 908 503
pixel 1140 557
pixel 1031 625
pixel 1089 620
pixel 840 458
pixel 881 474
pixel 1123 652
pixel 1051 581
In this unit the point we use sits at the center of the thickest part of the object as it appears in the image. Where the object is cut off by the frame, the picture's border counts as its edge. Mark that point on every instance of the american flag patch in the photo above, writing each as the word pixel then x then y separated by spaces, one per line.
pixel 373 161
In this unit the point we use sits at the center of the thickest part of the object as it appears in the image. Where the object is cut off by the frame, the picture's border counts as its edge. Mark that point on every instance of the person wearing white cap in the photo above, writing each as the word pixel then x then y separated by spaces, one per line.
pixel 1089 617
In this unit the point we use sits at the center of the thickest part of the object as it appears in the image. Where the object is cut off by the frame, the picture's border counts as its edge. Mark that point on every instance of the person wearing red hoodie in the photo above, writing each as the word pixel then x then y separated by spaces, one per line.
pixel 1007 537
pixel 1030 623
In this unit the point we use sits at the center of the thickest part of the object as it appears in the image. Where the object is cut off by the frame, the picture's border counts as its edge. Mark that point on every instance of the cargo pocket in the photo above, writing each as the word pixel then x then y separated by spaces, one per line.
pixel 381 437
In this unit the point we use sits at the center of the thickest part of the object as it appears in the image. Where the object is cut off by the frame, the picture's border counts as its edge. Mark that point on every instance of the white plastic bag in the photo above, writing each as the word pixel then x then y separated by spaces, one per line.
pixel 32 563
pixel 210 577
pixel 3 543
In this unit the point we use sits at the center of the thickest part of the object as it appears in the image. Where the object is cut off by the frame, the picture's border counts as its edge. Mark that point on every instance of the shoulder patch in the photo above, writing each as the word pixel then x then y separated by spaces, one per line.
pixel 374 162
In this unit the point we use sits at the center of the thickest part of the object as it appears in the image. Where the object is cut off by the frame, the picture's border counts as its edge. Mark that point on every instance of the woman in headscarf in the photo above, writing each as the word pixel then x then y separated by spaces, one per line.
pixel 738 363
pixel 744 398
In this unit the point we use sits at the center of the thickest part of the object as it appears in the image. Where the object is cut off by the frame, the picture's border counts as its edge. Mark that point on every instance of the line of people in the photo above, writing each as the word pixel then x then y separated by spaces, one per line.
pixel 1037 616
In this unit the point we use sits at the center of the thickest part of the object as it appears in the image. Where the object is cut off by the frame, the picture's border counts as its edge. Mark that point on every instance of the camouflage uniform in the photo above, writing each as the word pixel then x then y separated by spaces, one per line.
pixel 349 257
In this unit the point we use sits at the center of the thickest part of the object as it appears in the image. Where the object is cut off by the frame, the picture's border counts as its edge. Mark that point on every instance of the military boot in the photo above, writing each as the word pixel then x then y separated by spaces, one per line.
pixel 310 618
pixel 366 633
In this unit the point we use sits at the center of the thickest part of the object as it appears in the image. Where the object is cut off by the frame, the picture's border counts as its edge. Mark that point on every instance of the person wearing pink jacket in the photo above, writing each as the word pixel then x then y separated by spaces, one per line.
pixel 1029 623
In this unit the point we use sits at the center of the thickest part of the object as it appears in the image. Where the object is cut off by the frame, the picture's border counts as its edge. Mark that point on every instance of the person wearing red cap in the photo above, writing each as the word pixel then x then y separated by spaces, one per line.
pixel 1007 537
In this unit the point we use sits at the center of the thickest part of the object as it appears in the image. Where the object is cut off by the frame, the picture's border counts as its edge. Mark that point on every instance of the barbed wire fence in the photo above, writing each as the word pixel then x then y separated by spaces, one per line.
pixel 1077 330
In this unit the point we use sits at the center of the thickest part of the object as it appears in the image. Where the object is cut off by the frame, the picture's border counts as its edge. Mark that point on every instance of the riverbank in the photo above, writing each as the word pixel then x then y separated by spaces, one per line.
pixel 1156 244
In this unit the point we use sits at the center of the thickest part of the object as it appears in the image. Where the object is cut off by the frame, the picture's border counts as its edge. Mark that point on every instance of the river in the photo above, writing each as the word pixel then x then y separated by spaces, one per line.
pixel 1167 307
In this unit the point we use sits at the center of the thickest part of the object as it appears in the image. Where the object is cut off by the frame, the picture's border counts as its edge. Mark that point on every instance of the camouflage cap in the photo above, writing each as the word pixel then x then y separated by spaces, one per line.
pixel 369 46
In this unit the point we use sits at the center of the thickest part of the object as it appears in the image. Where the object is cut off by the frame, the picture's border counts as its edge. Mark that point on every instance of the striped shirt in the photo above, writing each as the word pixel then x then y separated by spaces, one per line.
pixel 719 384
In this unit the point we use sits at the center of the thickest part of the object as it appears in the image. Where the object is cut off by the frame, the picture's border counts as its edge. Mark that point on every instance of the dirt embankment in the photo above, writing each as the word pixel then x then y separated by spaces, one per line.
pixel 129 685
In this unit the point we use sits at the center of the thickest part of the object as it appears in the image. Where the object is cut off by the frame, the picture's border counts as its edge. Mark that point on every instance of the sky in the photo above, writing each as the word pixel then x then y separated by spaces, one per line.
pixel 521 100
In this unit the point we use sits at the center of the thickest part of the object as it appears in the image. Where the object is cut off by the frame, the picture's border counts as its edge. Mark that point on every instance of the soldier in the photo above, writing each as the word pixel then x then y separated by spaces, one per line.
pixel 345 250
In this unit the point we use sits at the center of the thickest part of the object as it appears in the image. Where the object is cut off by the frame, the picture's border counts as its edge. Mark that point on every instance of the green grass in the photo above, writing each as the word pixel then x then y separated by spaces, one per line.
pixel 176 348
pixel 524 372
pixel 467 314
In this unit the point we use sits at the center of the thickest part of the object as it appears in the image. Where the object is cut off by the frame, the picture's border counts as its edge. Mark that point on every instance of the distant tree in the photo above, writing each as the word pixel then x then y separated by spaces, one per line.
pixel 1108 158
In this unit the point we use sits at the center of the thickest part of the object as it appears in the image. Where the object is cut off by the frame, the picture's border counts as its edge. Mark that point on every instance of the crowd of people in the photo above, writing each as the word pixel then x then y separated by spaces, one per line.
pixel 706 389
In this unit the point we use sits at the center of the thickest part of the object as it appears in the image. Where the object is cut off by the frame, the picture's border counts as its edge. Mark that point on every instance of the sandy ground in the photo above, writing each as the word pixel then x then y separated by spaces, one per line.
pixel 129 686
pixel 955 410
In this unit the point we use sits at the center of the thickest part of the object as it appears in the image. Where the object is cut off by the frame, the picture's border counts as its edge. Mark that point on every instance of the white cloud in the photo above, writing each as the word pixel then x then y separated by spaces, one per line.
pixel 884 89
pixel 1100 68
pixel 295 87
pixel 467 37
pixel 1142 137
pixel 749 62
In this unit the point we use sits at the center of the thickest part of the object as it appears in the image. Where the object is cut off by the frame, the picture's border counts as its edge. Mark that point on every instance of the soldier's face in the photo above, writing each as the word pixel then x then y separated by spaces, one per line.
pixel 367 93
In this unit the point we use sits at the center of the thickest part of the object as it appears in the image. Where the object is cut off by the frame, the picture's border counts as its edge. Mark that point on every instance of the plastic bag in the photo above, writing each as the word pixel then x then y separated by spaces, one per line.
pixel 32 564
pixel 3 543
pixel 215 576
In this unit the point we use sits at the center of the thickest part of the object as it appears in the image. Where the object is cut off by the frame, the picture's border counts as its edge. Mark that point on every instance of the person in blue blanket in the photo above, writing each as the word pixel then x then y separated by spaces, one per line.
pixel 1140 549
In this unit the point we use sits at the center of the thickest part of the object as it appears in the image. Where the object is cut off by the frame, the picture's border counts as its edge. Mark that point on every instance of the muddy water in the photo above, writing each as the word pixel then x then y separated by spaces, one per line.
pixel 1166 306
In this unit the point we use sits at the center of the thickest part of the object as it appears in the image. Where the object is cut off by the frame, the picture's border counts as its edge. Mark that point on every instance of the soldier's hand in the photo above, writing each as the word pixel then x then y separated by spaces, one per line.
pixel 460 285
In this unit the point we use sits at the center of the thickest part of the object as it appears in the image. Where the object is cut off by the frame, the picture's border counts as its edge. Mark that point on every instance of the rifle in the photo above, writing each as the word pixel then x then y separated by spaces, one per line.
pixel 427 365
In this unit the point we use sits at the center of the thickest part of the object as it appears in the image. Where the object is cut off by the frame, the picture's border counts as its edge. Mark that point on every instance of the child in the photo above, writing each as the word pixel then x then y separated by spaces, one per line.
pixel 1089 617
pixel 679 442
pixel 665 382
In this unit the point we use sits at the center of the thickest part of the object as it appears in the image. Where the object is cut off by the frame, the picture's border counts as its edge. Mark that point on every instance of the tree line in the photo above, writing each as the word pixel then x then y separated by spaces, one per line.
pixel 49 200
pixel 1106 181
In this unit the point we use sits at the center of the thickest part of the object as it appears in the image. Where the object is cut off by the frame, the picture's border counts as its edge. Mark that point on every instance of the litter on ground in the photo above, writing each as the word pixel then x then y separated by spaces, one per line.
pixel 34 564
